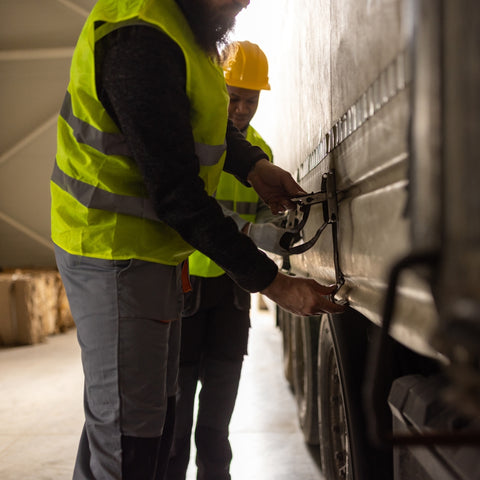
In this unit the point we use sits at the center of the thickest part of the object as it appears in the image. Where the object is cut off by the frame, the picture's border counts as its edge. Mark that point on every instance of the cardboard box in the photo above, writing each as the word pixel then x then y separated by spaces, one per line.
pixel 18 322
pixel 33 305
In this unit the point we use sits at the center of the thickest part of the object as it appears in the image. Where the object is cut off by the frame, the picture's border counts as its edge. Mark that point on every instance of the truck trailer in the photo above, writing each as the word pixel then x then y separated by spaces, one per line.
pixel 377 113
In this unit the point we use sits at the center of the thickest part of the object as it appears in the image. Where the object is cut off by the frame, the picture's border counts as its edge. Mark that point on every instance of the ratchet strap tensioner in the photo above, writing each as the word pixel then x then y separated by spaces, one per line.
pixel 297 218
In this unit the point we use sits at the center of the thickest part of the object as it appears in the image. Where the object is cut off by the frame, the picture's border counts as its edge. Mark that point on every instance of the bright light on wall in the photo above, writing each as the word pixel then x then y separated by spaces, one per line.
pixel 253 24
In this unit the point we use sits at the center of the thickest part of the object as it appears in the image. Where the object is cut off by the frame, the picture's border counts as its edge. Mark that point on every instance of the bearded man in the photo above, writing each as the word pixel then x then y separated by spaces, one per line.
pixel 143 136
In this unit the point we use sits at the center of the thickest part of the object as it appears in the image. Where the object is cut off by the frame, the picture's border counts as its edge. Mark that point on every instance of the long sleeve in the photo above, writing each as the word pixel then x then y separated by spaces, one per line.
pixel 141 82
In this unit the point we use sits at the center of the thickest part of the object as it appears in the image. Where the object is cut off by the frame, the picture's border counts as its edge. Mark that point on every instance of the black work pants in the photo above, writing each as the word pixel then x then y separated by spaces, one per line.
pixel 214 341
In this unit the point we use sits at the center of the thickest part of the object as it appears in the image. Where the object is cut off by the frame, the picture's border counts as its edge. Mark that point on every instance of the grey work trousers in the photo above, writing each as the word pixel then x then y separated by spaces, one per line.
pixel 126 313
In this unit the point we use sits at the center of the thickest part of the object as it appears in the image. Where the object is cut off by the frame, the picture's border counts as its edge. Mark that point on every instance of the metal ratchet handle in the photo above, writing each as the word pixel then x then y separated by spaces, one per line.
pixel 310 198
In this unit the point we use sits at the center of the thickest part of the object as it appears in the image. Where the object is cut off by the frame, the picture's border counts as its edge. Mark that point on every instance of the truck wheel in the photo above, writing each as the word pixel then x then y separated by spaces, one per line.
pixel 305 345
pixel 285 323
pixel 345 450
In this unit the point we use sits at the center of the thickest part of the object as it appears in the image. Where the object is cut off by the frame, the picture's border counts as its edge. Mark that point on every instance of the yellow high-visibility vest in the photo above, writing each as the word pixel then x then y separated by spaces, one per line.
pixel 236 197
pixel 100 206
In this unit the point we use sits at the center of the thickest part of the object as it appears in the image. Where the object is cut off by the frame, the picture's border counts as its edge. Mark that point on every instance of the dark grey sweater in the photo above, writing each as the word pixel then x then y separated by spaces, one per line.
pixel 140 77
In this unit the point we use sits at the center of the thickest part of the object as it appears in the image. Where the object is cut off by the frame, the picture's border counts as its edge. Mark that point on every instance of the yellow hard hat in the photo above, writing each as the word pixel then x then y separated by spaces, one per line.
pixel 245 65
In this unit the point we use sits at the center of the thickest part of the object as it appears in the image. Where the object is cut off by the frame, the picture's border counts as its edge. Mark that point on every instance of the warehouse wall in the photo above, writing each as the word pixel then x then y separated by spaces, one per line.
pixel 37 38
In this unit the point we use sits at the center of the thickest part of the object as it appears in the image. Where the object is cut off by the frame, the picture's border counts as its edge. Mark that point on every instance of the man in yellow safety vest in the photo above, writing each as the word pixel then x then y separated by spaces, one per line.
pixel 143 135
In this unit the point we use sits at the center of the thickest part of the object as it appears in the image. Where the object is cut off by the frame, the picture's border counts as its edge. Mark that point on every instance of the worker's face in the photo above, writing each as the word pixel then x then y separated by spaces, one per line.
pixel 243 105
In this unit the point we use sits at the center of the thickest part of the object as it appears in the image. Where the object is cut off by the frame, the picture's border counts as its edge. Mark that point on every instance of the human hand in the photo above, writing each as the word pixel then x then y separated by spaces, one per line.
pixel 302 296
pixel 274 185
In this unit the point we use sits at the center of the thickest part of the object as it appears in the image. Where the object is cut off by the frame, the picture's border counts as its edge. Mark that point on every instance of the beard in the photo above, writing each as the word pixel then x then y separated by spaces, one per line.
pixel 210 26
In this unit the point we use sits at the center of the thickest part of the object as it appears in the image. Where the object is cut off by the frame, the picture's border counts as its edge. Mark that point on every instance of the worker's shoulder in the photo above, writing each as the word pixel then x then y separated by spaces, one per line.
pixel 143 38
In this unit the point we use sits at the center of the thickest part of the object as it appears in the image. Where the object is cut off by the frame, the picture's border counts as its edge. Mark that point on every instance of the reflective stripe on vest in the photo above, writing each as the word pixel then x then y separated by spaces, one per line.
pixel 92 197
pixel 105 142
pixel 114 143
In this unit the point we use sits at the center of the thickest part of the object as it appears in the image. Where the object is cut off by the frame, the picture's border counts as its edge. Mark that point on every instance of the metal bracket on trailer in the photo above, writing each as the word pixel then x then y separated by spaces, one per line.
pixel 297 218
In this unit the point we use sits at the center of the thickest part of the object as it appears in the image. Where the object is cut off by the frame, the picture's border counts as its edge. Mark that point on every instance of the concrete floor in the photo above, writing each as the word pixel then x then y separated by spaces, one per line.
pixel 41 412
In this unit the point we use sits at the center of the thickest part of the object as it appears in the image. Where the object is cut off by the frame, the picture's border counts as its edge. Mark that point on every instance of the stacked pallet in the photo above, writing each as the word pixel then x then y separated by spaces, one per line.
pixel 33 305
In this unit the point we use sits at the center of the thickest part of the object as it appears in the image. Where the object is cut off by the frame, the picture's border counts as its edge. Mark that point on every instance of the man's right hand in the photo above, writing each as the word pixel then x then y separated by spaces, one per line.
pixel 302 296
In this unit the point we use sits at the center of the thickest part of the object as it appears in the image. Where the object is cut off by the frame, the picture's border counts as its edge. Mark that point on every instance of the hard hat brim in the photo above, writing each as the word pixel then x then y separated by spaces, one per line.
pixel 247 85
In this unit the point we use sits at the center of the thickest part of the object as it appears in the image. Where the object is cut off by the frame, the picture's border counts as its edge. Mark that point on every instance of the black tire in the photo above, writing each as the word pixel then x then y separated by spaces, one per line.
pixel 304 349
pixel 346 452
pixel 285 323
